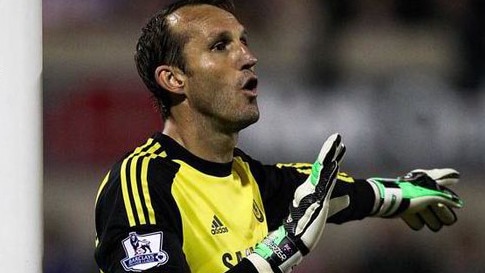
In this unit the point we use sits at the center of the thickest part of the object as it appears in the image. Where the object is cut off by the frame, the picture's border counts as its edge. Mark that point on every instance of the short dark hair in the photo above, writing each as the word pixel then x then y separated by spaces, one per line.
pixel 159 45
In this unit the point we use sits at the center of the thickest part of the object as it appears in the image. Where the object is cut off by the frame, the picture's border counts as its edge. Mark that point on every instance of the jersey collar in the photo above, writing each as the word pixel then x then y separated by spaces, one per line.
pixel 176 151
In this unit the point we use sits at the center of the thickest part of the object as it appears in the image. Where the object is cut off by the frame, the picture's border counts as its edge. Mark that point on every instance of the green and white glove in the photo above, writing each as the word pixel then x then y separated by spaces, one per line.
pixel 421 197
pixel 285 247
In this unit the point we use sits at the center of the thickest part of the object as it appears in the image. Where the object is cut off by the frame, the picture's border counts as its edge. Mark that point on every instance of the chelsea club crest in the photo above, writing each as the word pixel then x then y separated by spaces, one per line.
pixel 143 251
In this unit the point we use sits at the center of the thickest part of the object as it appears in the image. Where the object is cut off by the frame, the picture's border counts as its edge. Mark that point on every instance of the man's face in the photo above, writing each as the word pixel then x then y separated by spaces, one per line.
pixel 221 83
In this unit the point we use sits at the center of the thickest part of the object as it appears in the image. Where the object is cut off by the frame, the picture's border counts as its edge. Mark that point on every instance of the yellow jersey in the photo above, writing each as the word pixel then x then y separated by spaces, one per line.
pixel 163 209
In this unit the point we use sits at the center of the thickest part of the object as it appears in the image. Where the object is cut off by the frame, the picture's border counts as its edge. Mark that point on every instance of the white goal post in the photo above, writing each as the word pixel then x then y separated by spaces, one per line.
pixel 21 136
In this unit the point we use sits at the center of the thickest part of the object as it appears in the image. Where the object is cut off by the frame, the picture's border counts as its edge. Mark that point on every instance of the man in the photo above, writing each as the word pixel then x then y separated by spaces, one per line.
pixel 203 205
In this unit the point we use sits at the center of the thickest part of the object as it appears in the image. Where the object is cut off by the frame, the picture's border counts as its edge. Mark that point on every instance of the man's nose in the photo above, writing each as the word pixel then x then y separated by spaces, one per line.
pixel 248 59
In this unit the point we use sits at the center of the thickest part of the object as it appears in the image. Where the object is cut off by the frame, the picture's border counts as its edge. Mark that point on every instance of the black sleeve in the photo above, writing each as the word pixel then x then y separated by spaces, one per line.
pixel 360 196
pixel 159 237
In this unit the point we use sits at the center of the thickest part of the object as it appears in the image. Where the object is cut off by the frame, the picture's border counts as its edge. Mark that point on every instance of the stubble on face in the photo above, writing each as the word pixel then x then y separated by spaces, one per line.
pixel 215 79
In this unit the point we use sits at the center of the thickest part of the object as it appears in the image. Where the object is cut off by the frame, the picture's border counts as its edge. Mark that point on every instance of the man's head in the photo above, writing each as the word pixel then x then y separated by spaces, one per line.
pixel 158 44
pixel 196 52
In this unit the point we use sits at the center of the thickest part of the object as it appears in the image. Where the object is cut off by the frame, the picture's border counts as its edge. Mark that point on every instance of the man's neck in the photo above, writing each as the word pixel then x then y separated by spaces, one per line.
pixel 202 141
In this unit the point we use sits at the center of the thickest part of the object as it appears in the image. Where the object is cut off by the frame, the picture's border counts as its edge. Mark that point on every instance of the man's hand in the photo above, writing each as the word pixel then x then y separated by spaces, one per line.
pixel 284 248
pixel 421 197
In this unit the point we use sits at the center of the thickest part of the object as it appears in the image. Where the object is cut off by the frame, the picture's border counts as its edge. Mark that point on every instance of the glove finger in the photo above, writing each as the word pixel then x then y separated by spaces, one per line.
pixel 329 149
pixel 445 214
pixel 455 201
pixel 444 177
pixel 413 220
pixel 327 179
pixel 430 219
pixel 340 152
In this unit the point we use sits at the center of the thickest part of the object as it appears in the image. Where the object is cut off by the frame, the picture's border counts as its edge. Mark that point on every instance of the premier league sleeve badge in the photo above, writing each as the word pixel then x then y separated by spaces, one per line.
pixel 143 251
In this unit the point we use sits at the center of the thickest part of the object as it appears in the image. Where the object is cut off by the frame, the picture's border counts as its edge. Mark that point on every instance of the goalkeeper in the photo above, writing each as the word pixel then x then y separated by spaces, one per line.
pixel 188 200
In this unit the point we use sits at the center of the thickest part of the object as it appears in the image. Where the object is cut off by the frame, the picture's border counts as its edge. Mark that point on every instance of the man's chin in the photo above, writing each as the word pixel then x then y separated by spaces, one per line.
pixel 245 122
pixel 249 122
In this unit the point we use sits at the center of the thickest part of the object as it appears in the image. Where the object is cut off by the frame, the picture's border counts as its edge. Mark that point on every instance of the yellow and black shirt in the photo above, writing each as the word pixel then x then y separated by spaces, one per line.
pixel 162 209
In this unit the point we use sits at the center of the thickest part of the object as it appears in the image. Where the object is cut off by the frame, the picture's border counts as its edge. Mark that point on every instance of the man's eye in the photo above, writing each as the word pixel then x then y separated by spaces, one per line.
pixel 244 41
pixel 219 46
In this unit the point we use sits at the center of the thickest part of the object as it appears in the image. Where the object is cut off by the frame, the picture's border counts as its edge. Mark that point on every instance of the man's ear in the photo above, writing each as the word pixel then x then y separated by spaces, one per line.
pixel 170 78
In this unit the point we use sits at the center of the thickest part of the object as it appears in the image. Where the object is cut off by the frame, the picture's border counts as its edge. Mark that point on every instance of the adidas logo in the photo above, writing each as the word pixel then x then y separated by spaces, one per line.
pixel 218 227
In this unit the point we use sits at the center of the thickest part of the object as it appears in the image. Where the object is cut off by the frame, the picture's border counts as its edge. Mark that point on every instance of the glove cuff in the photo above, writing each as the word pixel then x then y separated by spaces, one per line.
pixel 389 200
pixel 279 251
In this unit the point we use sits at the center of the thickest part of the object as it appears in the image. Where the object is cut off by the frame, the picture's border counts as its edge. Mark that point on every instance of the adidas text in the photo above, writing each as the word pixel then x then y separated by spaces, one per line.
pixel 219 230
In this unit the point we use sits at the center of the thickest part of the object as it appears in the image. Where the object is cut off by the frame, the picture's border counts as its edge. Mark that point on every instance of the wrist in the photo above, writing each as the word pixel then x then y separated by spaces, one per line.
pixel 388 197
pixel 278 251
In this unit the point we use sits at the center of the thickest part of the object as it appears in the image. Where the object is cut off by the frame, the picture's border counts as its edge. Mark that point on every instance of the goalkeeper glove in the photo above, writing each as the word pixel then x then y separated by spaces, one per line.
pixel 420 198
pixel 285 247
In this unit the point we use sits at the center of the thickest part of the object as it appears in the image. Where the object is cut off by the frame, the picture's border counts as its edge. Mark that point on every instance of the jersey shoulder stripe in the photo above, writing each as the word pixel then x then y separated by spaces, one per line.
pixel 134 183
pixel 305 168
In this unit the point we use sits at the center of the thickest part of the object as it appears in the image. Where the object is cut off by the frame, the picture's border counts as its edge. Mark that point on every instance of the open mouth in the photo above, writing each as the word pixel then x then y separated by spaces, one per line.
pixel 251 84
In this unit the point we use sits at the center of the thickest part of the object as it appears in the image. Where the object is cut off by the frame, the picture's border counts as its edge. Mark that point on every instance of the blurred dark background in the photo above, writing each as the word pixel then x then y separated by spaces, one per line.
pixel 401 80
